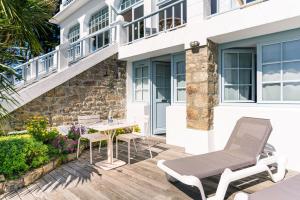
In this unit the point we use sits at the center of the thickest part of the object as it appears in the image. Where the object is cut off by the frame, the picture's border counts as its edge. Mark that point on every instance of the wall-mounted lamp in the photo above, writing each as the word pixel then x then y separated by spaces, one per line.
pixel 195 45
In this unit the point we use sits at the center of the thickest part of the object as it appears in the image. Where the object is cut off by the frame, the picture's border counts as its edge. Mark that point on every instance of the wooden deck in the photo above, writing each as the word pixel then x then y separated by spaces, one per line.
pixel 140 180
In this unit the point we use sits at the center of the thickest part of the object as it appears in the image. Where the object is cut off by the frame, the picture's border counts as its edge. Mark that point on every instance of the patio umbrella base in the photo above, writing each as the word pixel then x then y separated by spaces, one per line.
pixel 108 166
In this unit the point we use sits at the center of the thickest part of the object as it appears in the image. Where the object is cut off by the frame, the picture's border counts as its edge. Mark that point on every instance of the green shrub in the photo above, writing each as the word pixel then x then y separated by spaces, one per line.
pixel 37 127
pixel 19 154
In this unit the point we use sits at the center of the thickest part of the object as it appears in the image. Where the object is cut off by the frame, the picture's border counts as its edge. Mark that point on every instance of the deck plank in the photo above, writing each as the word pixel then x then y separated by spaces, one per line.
pixel 79 180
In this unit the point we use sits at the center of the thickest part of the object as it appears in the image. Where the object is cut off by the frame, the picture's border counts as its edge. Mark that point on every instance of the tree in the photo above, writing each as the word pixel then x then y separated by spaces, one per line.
pixel 22 23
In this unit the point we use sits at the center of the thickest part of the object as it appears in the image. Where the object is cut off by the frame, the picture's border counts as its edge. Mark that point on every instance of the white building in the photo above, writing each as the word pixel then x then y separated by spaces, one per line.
pixel 194 67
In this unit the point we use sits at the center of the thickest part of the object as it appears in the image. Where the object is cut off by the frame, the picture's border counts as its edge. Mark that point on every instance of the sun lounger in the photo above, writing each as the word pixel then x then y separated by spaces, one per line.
pixel 242 157
pixel 285 190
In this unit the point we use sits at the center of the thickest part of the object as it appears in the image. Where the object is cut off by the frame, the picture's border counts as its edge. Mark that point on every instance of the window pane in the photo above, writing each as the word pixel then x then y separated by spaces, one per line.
pixel 291 71
pixel 138 95
pixel 145 95
pixel 271 72
pixel 145 72
pixel 145 83
pixel 181 95
pixel 231 60
pixel 291 50
pixel 245 76
pixel 138 84
pixel 291 92
pixel 271 53
pixel 181 81
pixel 245 93
pixel 138 72
pixel 180 68
pixel 245 60
pixel 271 92
pixel 213 6
pixel 231 93
pixel 231 76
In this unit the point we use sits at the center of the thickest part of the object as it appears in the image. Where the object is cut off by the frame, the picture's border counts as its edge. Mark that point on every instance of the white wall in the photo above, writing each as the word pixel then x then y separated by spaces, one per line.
pixel 285 121
pixel 81 16
pixel 194 141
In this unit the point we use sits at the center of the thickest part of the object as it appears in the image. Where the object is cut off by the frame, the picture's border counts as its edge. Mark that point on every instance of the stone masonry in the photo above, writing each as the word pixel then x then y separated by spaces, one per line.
pixel 93 92
pixel 202 83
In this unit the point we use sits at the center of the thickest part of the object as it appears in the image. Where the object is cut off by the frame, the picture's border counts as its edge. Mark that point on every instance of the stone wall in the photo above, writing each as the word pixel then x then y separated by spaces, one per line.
pixel 92 92
pixel 202 86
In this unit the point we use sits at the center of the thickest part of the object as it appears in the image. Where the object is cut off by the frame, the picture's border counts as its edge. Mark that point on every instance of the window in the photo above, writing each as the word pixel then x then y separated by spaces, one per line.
pixel 281 72
pixel 141 88
pixel 213 6
pixel 128 3
pixel 74 33
pixel 238 76
pixel 99 20
pixel 179 76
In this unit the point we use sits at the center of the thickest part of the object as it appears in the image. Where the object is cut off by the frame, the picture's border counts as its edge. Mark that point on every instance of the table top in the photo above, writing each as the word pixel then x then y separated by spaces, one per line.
pixel 104 126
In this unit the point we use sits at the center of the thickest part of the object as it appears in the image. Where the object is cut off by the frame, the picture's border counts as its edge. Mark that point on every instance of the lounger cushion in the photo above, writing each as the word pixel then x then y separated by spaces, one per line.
pixel 249 136
pixel 286 190
pixel 210 164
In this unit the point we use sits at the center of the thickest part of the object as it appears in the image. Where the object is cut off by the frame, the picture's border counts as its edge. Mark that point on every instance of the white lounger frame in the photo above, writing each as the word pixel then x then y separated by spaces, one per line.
pixel 229 176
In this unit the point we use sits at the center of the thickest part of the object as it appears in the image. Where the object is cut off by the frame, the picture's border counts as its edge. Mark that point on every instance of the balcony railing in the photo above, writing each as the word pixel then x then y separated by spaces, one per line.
pixel 92 43
pixel 44 65
pixel 35 69
pixel 65 3
pixel 215 7
pixel 165 19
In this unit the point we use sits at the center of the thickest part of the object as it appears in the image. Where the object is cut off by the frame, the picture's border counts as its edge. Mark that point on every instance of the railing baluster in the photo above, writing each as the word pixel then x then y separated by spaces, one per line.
pixel 139 29
pixel 173 16
pixel 165 19
pixel 145 23
pixel 37 69
pixel 181 14
pixel 132 30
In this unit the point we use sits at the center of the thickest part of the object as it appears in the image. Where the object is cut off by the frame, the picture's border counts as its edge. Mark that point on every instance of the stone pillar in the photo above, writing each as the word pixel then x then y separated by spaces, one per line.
pixel 202 86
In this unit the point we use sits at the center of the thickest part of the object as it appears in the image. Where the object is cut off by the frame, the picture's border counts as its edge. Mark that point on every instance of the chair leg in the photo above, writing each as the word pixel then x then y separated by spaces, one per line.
pixel 99 146
pixel 129 152
pixel 91 153
pixel 134 144
pixel 117 148
pixel 78 148
pixel 149 148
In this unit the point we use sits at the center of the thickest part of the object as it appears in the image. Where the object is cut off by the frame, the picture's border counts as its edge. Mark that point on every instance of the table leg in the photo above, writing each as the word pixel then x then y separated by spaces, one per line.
pixel 129 152
pixel 116 148
pixel 91 152
pixel 110 150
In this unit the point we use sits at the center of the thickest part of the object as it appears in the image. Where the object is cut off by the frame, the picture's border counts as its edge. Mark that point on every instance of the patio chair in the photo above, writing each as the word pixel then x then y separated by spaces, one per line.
pixel 286 190
pixel 134 137
pixel 95 137
pixel 242 157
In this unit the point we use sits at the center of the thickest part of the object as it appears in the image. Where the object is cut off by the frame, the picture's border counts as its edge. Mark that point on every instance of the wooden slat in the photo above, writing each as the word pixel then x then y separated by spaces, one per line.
pixel 78 180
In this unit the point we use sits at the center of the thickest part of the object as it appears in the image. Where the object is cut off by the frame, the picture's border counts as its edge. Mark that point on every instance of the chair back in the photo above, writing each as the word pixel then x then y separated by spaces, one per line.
pixel 249 136
pixel 88 119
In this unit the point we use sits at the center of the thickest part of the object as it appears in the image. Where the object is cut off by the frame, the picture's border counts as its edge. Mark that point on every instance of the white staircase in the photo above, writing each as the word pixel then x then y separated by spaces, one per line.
pixel 46 72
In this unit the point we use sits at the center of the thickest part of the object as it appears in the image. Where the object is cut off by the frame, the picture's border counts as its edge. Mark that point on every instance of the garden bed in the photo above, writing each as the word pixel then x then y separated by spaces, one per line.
pixel 35 174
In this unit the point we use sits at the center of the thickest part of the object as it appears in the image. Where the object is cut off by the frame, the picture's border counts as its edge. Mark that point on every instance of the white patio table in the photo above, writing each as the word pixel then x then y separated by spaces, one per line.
pixel 110 130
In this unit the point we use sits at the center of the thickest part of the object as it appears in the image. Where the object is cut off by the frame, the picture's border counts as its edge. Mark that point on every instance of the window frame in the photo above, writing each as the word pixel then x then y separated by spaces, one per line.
pixel 141 64
pixel 136 3
pixel 253 84
pixel 100 13
pixel 260 74
pixel 176 58
pixel 71 38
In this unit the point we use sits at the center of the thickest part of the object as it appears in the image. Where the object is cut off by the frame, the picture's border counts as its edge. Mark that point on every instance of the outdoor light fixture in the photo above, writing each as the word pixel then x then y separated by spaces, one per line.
pixel 194 44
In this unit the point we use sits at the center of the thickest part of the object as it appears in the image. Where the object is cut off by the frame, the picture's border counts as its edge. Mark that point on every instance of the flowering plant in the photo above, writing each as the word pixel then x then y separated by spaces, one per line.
pixel 75 131
pixel 65 145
